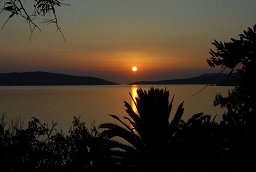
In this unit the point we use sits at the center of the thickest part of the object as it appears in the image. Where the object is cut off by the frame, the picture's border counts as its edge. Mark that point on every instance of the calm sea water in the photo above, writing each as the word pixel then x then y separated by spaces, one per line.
pixel 93 103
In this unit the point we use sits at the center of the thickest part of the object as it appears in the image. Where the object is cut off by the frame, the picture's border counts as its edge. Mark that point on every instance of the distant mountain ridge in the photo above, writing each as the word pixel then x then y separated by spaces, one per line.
pixel 220 79
pixel 46 78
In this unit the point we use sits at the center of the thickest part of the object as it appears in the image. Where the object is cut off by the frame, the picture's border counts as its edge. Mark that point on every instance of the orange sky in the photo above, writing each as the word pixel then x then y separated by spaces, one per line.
pixel 165 39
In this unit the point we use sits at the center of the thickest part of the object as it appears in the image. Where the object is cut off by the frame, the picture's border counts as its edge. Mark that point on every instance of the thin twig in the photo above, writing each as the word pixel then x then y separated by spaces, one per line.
pixel 210 82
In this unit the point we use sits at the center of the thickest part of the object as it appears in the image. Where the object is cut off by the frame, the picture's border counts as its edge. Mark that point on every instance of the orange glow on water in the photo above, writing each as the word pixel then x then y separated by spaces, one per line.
pixel 134 94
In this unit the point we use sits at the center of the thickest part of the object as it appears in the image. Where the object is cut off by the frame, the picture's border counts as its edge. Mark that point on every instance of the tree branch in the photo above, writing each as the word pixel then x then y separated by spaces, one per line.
pixel 41 8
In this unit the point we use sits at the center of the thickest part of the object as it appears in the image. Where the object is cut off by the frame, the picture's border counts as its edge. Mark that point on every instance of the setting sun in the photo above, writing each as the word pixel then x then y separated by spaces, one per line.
pixel 134 69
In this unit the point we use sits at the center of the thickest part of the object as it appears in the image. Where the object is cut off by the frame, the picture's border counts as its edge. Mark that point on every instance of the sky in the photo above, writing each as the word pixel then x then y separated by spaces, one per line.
pixel 164 39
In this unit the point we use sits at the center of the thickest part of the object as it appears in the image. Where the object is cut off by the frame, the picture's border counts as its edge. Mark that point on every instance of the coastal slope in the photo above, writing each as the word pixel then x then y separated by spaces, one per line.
pixel 221 79
pixel 47 78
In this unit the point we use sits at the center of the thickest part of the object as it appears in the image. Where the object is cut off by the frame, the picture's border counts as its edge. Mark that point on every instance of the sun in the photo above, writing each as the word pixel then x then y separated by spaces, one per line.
pixel 134 68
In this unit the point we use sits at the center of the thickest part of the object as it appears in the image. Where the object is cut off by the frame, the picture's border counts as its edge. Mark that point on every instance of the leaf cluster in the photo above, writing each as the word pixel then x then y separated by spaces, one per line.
pixel 40 147
pixel 40 8
pixel 238 55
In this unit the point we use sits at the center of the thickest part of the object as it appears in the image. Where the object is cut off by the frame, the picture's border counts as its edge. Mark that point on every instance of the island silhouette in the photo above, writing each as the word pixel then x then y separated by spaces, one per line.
pixel 41 78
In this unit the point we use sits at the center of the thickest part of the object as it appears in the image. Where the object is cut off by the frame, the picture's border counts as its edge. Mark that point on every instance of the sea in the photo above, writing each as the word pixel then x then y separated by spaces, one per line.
pixel 93 104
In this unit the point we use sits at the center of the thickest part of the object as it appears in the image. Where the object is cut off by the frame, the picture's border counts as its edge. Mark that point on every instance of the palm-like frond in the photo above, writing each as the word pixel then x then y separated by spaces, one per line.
pixel 196 119
pixel 114 130
pixel 148 130
pixel 154 111
pixel 152 121
pixel 135 120
pixel 176 119
pixel 127 126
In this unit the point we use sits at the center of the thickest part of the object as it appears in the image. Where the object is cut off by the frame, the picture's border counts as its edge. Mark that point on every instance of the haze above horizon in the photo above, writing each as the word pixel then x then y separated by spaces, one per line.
pixel 165 39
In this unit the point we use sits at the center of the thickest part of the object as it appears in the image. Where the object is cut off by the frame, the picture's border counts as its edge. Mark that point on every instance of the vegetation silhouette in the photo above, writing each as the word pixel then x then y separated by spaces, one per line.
pixel 239 122
pixel 148 132
pixel 153 140
pixel 40 8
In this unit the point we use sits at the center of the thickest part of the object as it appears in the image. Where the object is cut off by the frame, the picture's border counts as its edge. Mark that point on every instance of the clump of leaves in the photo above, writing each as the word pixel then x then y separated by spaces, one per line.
pixel 40 8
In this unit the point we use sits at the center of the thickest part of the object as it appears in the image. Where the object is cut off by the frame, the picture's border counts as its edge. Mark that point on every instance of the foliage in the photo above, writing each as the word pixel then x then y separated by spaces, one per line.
pixel 41 148
pixel 239 55
pixel 238 123
pixel 155 139
pixel 41 8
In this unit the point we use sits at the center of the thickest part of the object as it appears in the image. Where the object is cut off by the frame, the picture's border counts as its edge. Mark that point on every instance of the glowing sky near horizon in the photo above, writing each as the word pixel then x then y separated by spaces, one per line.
pixel 165 39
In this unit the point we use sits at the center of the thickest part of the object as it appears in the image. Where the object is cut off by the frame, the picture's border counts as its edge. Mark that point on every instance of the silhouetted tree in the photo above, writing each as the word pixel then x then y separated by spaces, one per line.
pixel 148 132
pixel 239 122
pixel 238 55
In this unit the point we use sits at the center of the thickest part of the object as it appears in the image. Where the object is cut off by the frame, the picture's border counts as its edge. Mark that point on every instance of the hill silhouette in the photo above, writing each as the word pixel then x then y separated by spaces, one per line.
pixel 40 78
pixel 47 78
pixel 220 79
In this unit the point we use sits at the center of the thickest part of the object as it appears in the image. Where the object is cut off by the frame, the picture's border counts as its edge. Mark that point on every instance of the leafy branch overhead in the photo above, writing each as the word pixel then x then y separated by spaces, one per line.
pixel 237 54
pixel 40 8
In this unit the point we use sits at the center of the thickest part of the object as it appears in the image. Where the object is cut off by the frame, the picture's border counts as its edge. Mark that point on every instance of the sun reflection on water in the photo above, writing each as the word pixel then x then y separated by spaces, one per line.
pixel 134 94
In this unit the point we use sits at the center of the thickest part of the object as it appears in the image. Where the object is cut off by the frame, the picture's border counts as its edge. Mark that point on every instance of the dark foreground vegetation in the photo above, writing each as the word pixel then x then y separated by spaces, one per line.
pixel 156 138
